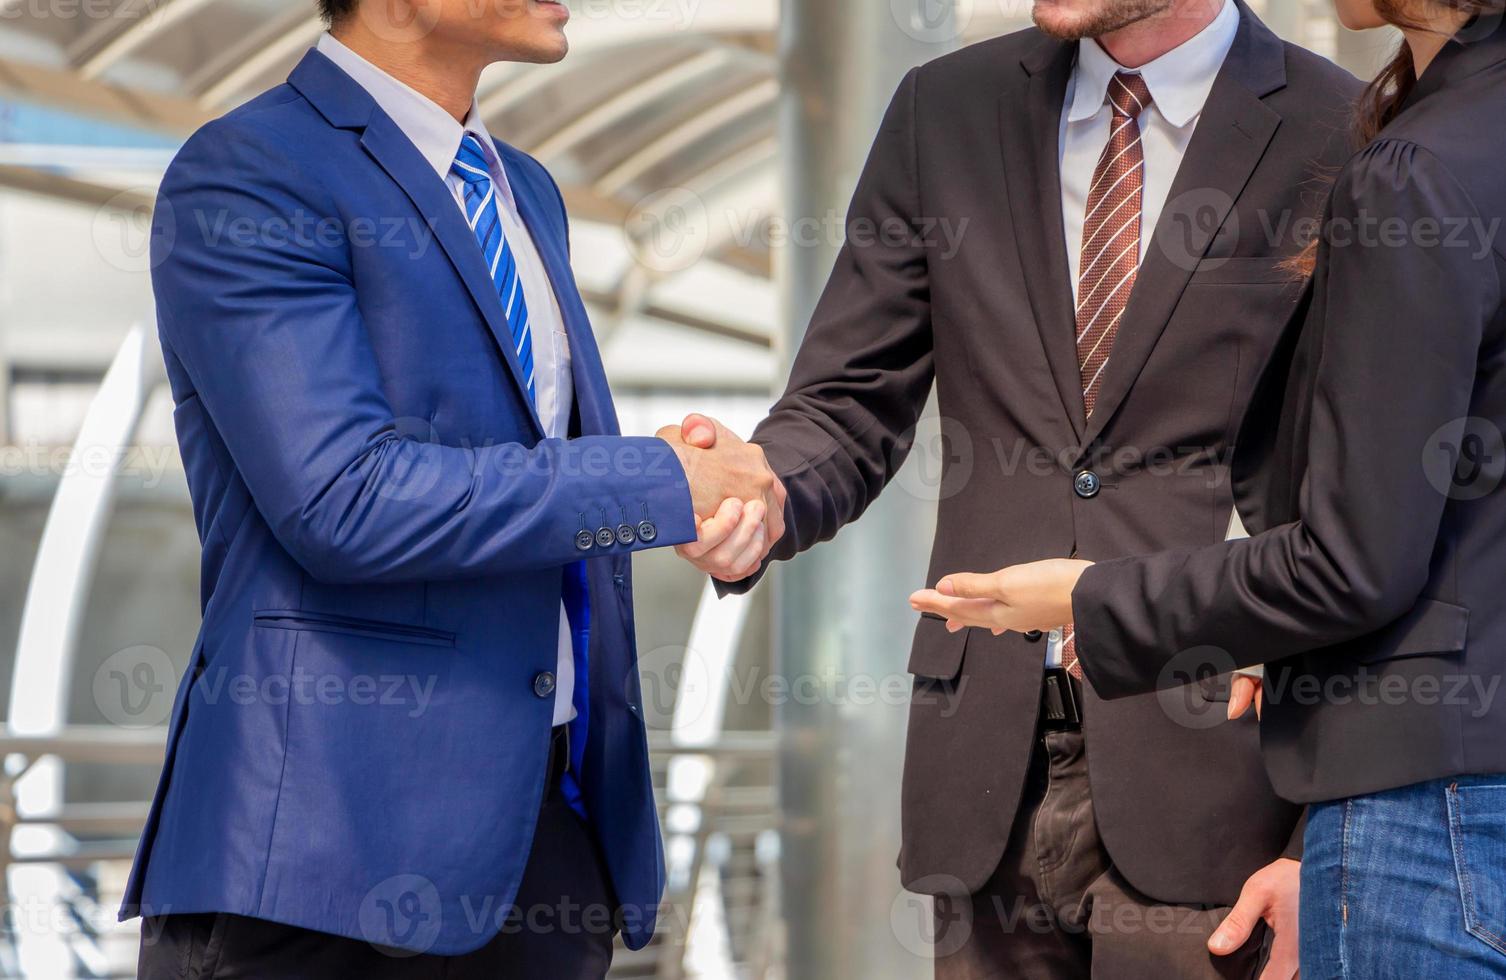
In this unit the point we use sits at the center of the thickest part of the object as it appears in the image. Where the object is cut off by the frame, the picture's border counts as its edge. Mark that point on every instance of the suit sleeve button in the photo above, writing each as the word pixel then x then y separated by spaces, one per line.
pixel 584 540
pixel 606 537
pixel 626 534
pixel 647 533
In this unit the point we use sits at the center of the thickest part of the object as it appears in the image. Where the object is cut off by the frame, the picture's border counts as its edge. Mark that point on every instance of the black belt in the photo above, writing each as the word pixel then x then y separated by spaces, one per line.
pixel 1061 702
pixel 559 755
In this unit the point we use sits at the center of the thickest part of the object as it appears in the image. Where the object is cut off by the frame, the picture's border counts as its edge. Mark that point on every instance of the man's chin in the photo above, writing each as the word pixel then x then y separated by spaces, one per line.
pixel 540 51
pixel 1074 20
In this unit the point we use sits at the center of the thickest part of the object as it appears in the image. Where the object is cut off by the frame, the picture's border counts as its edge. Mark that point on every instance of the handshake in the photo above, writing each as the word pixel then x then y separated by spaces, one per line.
pixel 739 501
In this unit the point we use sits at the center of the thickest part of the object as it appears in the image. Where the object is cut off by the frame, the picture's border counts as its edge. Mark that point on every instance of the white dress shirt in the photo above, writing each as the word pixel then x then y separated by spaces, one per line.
pixel 1179 83
pixel 436 135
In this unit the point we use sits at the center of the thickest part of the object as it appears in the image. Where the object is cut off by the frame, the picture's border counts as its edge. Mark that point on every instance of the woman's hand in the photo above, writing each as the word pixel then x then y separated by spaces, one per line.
pixel 1037 596
pixel 1245 690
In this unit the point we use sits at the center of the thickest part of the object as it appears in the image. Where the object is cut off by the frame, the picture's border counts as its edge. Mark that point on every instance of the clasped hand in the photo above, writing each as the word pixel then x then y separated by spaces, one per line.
pixel 739 501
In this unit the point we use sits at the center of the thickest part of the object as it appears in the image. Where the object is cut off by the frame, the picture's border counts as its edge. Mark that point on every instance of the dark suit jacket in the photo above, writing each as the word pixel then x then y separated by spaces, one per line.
pixel 1373 460
pixel 972 139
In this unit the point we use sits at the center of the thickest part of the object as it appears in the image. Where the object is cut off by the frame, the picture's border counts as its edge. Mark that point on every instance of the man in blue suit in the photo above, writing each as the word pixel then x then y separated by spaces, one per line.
pixel 410 741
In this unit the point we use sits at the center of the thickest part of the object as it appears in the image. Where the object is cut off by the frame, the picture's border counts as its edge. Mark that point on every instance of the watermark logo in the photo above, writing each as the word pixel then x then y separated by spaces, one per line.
pixel 669 231
pixel 1193 220
pixel 134 687
pixel 941 460
pixel 932 928
pixel 416 461
pixel 1181 690
pixel 932 21
pixel 126 236
pixel 402 915
pixel 1465 459
pixel 673 679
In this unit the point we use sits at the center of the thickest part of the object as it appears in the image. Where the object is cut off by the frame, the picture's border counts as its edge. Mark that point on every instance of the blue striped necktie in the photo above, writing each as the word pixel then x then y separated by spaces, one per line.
pixel 486 222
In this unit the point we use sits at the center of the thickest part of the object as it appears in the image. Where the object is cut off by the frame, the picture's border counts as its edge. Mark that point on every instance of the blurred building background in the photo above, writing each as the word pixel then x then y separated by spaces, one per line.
pixel 706 149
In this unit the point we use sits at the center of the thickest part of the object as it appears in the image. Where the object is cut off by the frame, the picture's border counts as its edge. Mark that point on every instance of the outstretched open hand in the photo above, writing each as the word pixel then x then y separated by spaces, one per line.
pixel 1036 596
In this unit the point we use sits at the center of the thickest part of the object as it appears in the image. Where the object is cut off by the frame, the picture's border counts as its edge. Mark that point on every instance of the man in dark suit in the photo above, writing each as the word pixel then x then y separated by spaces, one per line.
pixel 1132 176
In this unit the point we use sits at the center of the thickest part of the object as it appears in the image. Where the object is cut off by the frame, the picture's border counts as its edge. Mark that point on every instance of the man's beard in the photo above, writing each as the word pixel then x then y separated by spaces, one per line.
pixel 1105 17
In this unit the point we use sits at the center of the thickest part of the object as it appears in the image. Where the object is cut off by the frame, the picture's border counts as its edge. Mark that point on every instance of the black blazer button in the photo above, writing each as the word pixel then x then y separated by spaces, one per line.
pixel 1087 484
pixel 606 537
pixel 647 533
pixel 626 534
pixel 1034 636
pixel 543 685
pixel 584 540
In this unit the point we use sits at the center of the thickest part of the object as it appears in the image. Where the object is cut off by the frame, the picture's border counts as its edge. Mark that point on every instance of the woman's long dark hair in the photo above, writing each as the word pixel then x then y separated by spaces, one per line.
pixel 1388 91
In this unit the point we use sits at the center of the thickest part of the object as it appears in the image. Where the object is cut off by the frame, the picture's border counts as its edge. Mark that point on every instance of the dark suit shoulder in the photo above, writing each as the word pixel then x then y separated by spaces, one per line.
pixel 1319 80
pixel 1317 107
pixel 994 62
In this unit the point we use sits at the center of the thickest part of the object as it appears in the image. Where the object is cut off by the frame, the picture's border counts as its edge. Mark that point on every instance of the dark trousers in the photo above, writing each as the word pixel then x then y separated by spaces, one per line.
pixel 563 923
pixel 1056 908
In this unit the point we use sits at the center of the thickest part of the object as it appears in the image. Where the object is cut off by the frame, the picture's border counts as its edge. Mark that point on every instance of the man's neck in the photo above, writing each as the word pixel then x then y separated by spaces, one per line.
pixel 447 78
pixel 1146 40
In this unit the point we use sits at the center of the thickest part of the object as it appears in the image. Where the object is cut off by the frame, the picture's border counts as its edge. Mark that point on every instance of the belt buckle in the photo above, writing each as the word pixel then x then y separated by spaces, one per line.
pixel 1059 703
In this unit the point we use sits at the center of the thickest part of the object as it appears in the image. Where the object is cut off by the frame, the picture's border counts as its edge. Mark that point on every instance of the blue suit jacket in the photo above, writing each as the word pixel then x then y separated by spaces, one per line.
pixel 360 745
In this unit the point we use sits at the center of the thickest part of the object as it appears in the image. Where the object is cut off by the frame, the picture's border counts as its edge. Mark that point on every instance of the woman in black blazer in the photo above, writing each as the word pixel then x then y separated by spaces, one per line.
pixel 1372 462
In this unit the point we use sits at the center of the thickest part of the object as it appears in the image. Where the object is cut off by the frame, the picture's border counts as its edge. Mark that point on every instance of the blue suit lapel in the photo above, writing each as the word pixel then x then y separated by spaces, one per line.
pixel 535 201
pixel 346 105
pixel 392 149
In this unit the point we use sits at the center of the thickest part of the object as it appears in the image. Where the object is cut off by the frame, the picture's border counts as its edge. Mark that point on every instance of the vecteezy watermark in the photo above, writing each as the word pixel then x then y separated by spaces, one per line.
pixel 412 693
pixel 678 683
pixel 669 231
pixel 402 915
pixel 1465 459
pixel 134 230
pixel 409 235
pixel 1193 219
pixel 134 687
pixel 941 456
pixel 932 21
pixel 121 11
pixel 1185 683
pixel 146 466
pixel 934 919
pixel 941 235
pixel 1474 692
pixel 677 15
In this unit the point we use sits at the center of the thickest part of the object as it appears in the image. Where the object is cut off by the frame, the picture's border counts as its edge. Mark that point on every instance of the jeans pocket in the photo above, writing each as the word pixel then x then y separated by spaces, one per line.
pixel 1477 832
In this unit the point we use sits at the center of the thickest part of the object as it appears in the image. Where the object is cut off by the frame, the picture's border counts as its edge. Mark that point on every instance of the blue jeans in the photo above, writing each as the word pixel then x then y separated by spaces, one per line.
pixel 1407 884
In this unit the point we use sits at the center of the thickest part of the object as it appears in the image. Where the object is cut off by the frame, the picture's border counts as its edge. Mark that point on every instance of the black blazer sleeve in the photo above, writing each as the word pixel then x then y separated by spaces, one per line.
pixel 859 383
pixel 1403 312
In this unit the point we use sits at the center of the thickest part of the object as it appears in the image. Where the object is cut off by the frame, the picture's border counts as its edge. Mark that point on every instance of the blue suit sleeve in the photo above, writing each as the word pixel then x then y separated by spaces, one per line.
pixel 269 331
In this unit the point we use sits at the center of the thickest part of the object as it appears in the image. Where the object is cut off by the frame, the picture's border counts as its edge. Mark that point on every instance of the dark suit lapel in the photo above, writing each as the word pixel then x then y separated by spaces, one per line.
pixel 346 105
pixel 535 200
pixel 1232 135
pixel 1033 179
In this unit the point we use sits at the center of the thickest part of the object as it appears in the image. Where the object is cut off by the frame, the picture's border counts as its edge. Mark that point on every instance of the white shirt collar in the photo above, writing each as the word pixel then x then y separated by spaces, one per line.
pixel 1179 80
pixel 428 127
